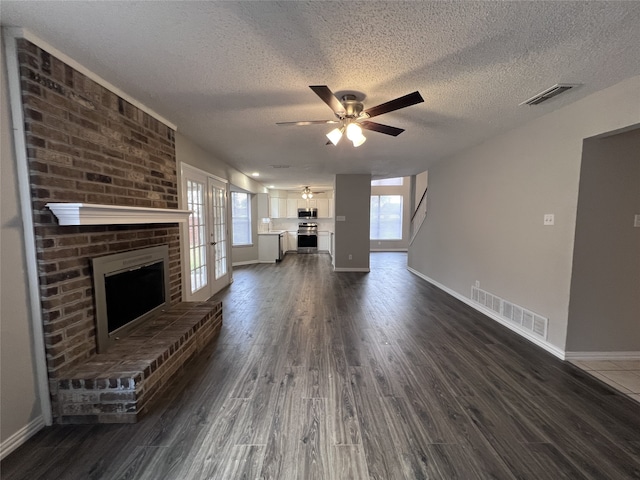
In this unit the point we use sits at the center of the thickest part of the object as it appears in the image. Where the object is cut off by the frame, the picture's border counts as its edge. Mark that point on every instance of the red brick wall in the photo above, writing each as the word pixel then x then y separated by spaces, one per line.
pixel 86 144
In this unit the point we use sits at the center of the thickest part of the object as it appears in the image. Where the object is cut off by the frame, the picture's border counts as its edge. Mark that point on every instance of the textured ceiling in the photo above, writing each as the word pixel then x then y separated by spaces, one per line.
pixel 226 72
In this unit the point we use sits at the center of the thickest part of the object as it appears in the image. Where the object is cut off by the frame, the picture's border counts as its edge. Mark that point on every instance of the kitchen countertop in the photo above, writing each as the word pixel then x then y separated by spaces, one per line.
pixel 272 232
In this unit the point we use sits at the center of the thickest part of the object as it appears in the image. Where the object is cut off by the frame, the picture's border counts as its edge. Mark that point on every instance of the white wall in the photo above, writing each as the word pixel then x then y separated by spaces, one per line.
pixel 604 310
pixel 486 206
pixel 19 401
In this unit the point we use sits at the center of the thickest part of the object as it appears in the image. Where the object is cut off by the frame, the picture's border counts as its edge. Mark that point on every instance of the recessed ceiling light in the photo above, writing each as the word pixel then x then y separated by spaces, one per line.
pixel 271 186
pixel 255 174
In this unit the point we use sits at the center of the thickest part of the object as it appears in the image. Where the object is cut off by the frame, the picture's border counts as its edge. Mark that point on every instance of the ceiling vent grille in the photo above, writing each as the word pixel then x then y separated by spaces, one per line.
pixel 549 93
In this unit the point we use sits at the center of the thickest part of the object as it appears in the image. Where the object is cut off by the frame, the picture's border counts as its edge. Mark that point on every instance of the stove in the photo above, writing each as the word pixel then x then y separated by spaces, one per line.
pixel 307 237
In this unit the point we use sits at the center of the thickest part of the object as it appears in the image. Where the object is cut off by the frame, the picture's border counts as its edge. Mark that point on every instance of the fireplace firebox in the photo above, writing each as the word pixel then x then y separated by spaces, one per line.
pixel 130 288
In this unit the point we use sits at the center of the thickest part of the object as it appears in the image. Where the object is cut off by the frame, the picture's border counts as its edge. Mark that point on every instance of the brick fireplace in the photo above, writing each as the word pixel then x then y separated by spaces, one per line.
pixel 86 144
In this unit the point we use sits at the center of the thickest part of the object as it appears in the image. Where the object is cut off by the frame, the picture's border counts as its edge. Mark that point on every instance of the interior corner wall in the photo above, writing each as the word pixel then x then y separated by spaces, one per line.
pixel 604 310
pixel 353 202
pixel 486 206
pixel 19 401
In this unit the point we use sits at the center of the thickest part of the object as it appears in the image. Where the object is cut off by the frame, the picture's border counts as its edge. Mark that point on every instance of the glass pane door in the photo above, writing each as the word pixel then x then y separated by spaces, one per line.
pixel 205 251
pixel 219 237
pixel 197 236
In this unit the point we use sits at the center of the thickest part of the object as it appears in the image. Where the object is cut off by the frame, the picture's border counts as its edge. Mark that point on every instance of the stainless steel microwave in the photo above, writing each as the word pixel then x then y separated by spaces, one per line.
pixel 307 213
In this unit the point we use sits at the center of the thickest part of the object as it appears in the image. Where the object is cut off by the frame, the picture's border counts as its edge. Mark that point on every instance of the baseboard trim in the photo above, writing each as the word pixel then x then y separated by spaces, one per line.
pixel 247 262
pixel 576 356
pixel 552 349
pixel 21 436
pixel 342 269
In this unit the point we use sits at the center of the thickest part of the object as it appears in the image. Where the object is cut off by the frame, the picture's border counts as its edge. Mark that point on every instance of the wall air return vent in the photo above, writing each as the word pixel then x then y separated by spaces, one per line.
pixel 519 317
pixel 549 93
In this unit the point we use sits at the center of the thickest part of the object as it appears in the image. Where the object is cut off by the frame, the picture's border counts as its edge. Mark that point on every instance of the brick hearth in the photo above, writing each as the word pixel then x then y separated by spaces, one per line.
pixel 118 386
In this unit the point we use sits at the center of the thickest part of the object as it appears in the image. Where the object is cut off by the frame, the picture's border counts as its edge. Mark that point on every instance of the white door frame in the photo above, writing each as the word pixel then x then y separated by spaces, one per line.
pixel 188 172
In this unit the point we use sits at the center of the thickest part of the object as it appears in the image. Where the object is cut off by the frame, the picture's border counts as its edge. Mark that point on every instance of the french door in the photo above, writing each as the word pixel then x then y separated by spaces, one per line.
pixel 206 245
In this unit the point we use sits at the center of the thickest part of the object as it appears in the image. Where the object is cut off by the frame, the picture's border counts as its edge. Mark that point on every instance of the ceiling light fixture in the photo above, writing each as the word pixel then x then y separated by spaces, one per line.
pixel 335 135
pixel 255 174
pixel 307 193
pixel 353 131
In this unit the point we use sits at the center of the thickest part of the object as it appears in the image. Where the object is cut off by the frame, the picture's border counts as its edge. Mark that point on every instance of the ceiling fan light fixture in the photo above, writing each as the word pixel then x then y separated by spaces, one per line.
pixel 335 135
pixel 354 132
pixel 307 194
pixel 359 141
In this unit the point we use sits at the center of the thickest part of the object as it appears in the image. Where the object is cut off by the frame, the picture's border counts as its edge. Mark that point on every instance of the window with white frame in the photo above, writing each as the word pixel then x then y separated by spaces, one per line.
pixel 388 182
pixel 241 218
pixel 386 217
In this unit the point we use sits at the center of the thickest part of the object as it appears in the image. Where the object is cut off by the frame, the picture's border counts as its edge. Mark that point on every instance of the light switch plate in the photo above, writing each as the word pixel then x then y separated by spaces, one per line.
pixel 341 218
pixel 636 220
pixel 549 219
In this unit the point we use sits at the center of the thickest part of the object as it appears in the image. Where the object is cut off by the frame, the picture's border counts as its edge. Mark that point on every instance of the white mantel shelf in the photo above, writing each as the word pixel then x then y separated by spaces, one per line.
pixel 94 214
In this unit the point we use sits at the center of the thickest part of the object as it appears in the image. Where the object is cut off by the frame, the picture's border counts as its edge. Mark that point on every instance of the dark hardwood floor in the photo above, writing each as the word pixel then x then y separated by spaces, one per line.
pixel 322 375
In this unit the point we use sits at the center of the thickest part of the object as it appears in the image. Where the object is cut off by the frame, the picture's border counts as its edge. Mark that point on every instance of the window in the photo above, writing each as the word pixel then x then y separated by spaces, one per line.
pixel 241 216
pixel 388 182
pixel 197 236
pixel 386 217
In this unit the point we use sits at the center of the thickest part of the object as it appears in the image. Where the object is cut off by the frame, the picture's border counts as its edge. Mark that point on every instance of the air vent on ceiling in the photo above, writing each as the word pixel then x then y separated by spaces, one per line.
pixel 279 166
pixel 549 93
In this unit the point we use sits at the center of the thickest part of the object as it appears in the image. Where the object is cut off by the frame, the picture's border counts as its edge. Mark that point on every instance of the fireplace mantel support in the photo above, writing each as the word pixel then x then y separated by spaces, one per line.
pixel 95 214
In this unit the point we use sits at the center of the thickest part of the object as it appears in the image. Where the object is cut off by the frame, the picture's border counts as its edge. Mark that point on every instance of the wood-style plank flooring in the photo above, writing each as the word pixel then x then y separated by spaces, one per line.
pixel 323 375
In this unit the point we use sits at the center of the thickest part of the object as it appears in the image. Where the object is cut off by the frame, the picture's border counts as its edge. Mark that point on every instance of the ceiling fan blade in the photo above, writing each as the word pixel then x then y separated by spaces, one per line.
pixel 397 104
pixel 329 98
pixel 308 122
pixel 378 127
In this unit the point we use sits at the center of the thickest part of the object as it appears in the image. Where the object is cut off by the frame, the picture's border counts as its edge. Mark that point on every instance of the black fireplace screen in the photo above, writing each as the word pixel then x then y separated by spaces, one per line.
pixel 132 294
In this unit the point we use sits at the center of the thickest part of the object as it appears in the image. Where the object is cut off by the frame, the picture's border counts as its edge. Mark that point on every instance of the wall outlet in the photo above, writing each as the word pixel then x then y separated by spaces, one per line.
pixel 350 257
pixel 549 219
pixel 477 283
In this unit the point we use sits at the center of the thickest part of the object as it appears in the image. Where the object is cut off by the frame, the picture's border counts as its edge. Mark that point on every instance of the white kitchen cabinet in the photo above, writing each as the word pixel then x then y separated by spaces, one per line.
pixel 292 208
pixel 292 241
pixel 278 207
pixel 269 247
pixel 324 242
pixel 323 208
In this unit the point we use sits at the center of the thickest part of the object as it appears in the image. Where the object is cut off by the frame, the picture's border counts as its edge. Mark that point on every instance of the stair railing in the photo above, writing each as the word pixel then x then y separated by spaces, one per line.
pixel 417 219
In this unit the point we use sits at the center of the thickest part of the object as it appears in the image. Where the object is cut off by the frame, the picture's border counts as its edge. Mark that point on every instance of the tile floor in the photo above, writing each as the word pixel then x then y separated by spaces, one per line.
pixel 623 375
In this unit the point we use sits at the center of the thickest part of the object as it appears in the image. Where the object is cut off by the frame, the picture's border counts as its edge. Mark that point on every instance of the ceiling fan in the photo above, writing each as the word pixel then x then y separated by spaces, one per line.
pixel 352 117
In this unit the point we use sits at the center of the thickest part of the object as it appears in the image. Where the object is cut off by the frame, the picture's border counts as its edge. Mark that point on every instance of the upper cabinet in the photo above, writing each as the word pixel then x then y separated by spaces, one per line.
pixel 288 207
pixel 292 208
pixel 323 208
pixel 278 207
